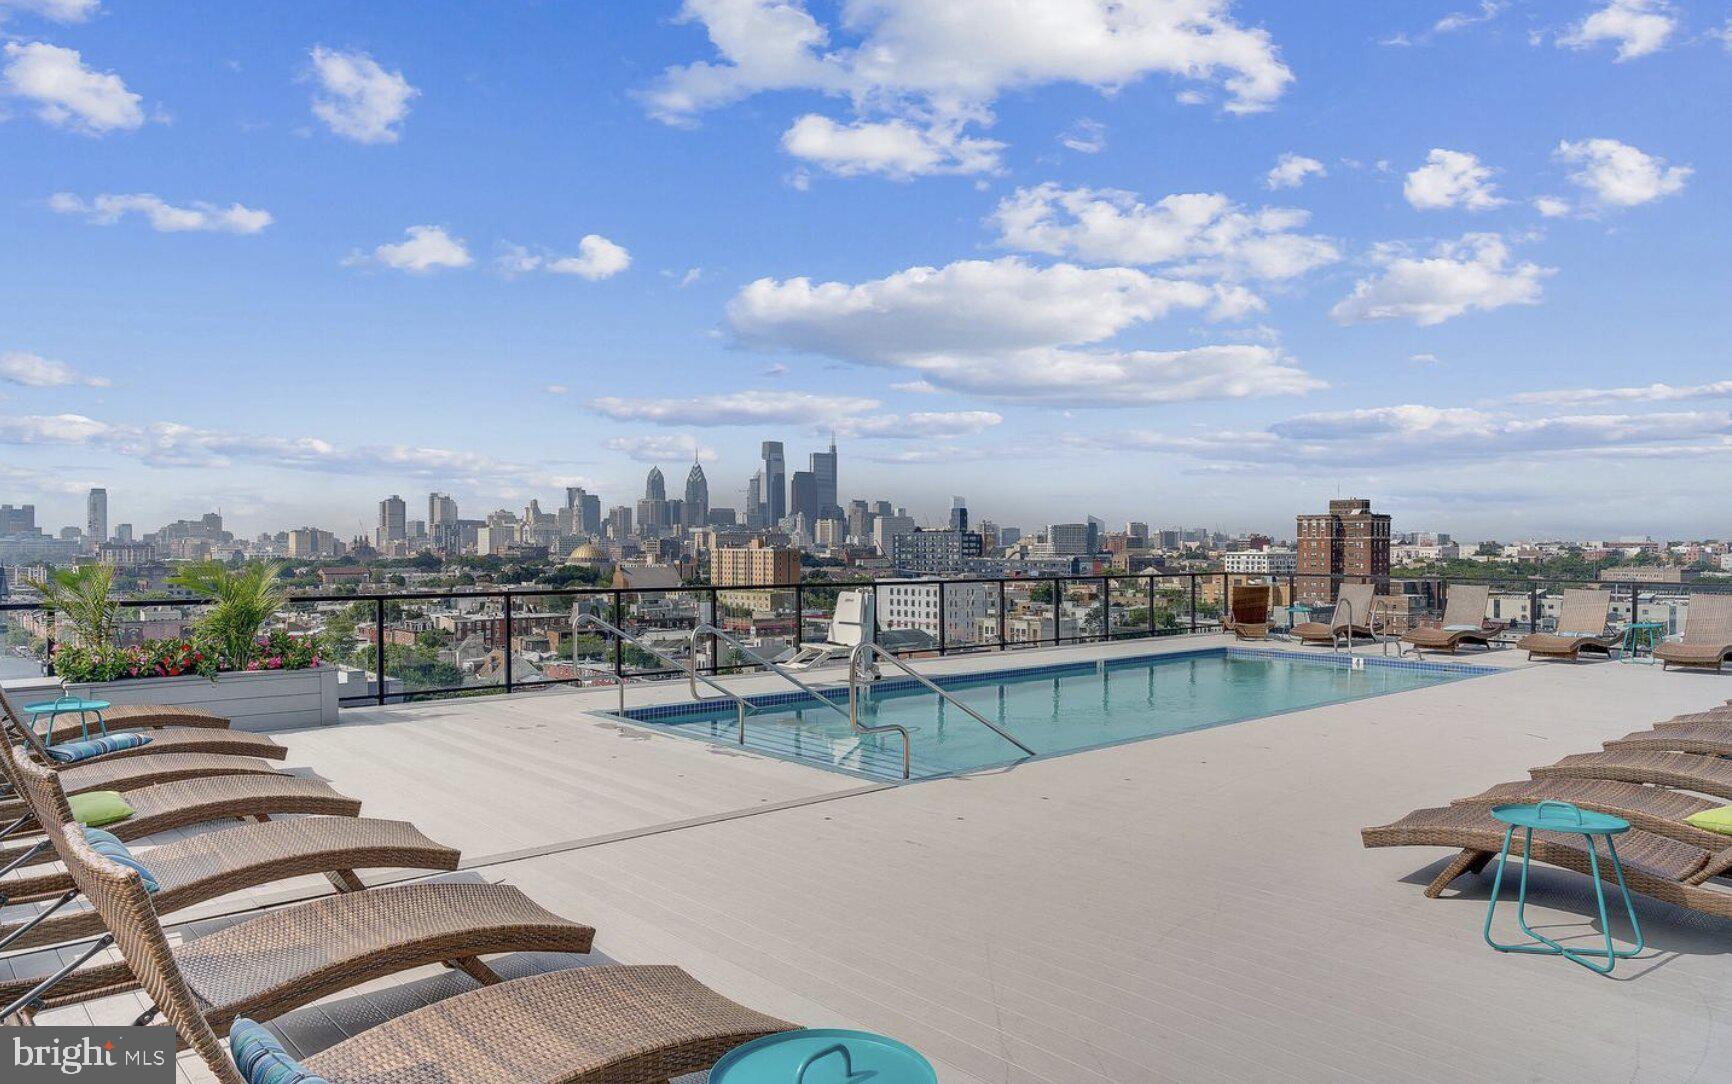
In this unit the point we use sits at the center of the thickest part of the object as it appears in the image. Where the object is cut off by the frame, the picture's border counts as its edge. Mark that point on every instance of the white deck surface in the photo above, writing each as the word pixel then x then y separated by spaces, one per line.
pixel 1195 907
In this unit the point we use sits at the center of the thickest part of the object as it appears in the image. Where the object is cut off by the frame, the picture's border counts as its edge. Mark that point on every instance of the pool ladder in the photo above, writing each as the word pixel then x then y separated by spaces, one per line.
pixel 1336 638
pixel 871 651
pixel 742 706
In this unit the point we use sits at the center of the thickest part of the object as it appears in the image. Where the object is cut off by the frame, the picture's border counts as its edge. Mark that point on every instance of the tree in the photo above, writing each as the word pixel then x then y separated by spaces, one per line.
pixel 245 599
pixel 84 597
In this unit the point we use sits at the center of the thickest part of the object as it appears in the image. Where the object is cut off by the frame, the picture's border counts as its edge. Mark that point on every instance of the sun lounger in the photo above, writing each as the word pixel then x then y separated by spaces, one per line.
pixel 1464 622
pixel 1352 617
pixel 213 864
pixel 1665 869
pixel 1581 627
pixel 1660 810
pixel 174 739
pixel 608 1025
pixel 1249 613
pixel 137 717
pixel 1688 771
pixel 1709 739
pixel 1707 634
pixel 134 772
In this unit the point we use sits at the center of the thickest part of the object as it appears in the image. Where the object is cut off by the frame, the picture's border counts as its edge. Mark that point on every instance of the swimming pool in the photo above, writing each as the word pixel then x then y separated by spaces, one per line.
pixel 1053 709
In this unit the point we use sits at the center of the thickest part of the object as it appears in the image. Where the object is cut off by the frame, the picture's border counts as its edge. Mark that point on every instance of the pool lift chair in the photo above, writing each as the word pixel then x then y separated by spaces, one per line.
pixel 851 626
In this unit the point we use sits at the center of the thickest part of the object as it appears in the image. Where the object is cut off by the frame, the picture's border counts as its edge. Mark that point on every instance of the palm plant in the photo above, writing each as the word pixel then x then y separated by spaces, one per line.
pixel 243 600
pixel 83 596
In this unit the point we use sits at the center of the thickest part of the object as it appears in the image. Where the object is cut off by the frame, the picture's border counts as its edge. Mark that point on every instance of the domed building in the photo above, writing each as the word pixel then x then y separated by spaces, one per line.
pixel 589 555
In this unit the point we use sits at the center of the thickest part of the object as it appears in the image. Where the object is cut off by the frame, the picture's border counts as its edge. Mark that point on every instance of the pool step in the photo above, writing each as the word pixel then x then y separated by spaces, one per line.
pixel 850 751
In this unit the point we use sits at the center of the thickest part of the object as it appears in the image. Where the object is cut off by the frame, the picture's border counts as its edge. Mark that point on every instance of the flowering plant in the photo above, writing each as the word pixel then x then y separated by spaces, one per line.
pixel 178 656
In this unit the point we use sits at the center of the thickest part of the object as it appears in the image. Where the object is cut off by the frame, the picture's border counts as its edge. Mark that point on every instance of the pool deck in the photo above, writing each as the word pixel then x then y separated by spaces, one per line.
pixel 1193 908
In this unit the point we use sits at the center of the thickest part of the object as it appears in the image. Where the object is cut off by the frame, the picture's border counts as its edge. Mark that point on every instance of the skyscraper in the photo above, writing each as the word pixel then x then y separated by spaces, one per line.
pixel 655 488
pixel 773 490
pixel 824 481
pixel 441 510
pixel 697 509
pixel 958 514
pixel 393 521
pixel 755 500
pixel 586 509
pixel 96 516
pixel 803 495
pixel 1349 540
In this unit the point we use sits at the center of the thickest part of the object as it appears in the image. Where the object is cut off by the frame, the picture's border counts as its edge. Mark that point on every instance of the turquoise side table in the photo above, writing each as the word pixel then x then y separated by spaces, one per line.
pixel 1640 634
pixel 823 1056
pixel 1564 817
pixel 67 705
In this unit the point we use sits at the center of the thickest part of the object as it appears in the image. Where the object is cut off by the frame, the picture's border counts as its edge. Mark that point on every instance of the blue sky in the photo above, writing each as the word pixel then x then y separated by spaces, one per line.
pixel 1173 260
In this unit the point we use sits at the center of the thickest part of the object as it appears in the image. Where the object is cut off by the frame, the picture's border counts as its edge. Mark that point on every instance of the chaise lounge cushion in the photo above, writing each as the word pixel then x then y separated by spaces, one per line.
pixel 262 1060
pixel 75 751
pixel 1718 819
pixel 110 847
pixel 95 808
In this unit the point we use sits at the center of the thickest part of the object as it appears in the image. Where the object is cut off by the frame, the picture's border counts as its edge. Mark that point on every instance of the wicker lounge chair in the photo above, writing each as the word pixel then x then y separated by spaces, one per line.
pixel 174 739
pixel 214 864
pixel 132 773
pixel 607 1025
pixel 1249 613
pixel 1707 634
pixel 1709 739
pixel 1581 627
pixel 1660 810
pixel 1688 771
pixel 140 717
pixel 1352 605
pixel 1653 865
pixel 1464 622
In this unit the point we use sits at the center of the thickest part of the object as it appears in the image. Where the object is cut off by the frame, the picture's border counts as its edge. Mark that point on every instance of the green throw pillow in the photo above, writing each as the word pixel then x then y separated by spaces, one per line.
pixel 1718 819
pixel 99 807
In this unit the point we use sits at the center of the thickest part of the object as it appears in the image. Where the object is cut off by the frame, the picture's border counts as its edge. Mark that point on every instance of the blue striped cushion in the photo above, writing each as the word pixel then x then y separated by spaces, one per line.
pixel 262 1059
pixel 74 751
pixel 109 846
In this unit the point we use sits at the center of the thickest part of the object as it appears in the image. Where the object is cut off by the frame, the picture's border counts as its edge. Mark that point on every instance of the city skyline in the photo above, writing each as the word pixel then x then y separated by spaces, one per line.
pixel 1210 270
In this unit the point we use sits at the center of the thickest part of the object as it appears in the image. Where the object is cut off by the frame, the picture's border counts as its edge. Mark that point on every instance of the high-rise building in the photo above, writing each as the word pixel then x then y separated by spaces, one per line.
pixel 441 509
pixel 619 523
pixel 754 564
pixel 19 520
pixel 123 532
pixel 803 495
pixel 655 487
pixel 755 511
pixel 1068 539
pixel 697 508
pixel 393 521
pixel 586 509
pixel 773 490
pixel 924 552
pixel 958 514
pixel 824 481
pixel 1350 542
pixel 96 516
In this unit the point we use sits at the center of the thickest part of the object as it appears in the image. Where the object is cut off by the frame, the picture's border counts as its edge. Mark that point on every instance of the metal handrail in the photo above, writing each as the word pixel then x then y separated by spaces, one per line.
pixel 779 670
pixel 1334 636
pixel 872 650
pixel 742 705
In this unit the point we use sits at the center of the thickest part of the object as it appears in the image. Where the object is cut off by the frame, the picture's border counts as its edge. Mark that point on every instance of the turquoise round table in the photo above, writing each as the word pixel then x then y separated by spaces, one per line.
pixel 70 705
pixel 1564 817
pixel 823 1056
pixel 1640 634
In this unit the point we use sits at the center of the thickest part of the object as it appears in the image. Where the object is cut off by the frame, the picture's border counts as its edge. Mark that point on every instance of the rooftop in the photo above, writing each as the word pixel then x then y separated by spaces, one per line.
pixel 1196 907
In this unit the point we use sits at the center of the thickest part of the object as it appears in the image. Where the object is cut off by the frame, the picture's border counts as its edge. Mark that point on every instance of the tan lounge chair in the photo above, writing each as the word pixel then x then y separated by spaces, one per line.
pixel 1352 617
pixel 213 864
pixel 1581 627
pixel 1464 622
pixel 134 772
pixel 1248 616
pixel 606 1025
pixel 1707 634
pixel 174 739
pixel 1689 771
pixel 1709 739
pixel 138 717
pixel 1660 810
pixel 1665 869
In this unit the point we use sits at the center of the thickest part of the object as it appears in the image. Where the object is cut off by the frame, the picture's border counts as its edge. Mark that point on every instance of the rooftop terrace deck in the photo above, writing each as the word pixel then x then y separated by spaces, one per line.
pixel 1196 907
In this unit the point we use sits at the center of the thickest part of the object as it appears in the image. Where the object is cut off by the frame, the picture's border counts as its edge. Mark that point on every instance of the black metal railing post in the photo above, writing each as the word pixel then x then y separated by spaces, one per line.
pixel 1106 607
pixel 1002 627
pixel 508 641
pixel 1292 598
pixel 379 647
pixel 1057 608
pixel 943 630
pixel 1226 606
pixel 1635 602
pixel 1150 603
pixel 716 620
pixel 1193 602
pixel 48 641
pixel 618 643
pixel 1534 606
pixel 799 616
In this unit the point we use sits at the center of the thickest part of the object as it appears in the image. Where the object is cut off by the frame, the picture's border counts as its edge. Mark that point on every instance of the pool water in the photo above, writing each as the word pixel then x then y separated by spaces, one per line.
pixel 1052 709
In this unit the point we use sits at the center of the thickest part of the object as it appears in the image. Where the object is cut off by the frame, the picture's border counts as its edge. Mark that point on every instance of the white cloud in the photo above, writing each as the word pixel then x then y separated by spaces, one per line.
pixel 1459 20
pixel 1474 274
pixel 1552 206
pixel 1637 27
pixel 894 148
pixel 1085 136
pixel 1198 233
pixel 916 387
pixel 1647 393
pixel 357 99
pixel 556 389
pixel 164 217
pixel 67 93
pixel 1452 179
pixel 597 258
pixel 736 408
pixel 1291 170
pixel 1007 329
pixel 1616 174
pixel 926 425
pixel 35 371
pixel 1425 359
pixel 661 448
pixel 60 11
pixel 941 66
pixel 1724 34
pixel 428 248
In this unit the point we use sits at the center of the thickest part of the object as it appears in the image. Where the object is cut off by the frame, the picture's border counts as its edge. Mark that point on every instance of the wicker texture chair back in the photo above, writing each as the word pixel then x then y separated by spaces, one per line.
pixel 39 786
pixel 1584 611
pixel 1251 604
pixel 1353 605
pixel 1466 605
pixel 119 897
pixel 1708 620
pixel 21 729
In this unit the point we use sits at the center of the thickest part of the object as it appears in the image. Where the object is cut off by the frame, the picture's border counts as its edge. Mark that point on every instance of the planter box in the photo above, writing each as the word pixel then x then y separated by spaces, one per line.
pixel 251 700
